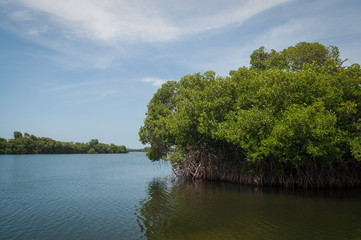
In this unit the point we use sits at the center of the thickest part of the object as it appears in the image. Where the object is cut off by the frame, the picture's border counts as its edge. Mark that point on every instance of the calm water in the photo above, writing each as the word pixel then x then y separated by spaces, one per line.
pixel 128 197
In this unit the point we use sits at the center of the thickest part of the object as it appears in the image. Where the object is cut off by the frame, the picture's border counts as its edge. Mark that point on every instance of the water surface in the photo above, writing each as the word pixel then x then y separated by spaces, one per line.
pixel 125 196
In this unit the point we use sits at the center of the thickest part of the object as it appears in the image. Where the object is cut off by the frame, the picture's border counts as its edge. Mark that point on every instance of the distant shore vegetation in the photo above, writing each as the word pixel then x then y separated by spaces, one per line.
pixel 293 119
pixel 145 149
pixel 30 144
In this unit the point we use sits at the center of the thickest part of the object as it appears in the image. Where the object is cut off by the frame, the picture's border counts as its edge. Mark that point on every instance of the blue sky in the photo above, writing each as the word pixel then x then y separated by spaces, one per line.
pixel 74 70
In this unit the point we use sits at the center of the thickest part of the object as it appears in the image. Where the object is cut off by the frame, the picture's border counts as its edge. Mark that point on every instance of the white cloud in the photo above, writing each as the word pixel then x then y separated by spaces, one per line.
pixel 140 20
pixel 154 81
pixel 99 33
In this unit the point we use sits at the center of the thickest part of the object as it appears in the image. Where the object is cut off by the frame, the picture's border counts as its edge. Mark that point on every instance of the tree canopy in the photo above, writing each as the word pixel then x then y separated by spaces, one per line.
pixel 297 108
pixel 295 57
pixel 30 144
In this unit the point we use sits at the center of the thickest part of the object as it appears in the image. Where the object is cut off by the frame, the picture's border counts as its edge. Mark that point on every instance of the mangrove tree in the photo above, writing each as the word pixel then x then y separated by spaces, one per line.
pixel 293 118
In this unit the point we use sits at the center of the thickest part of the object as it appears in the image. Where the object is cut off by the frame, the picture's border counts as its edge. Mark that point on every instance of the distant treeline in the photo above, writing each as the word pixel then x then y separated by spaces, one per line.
pixel 30 144
pixel 139 149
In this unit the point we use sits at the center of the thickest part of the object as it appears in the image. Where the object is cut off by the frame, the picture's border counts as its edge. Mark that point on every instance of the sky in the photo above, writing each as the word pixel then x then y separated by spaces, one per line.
pixel 75 70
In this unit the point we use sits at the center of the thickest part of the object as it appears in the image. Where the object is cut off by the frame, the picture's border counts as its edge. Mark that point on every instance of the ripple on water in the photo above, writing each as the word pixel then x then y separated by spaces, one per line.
pixel 128 197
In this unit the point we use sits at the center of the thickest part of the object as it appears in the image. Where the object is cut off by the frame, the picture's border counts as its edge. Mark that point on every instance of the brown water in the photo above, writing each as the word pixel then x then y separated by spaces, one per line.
pixel 128 197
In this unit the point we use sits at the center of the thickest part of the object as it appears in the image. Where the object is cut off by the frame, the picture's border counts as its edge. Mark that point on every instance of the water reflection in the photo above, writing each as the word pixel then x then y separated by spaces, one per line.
pixel 206 210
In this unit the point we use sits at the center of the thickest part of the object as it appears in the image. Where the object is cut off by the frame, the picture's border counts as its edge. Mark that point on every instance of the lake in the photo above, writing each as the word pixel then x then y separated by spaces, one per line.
pixel 126 196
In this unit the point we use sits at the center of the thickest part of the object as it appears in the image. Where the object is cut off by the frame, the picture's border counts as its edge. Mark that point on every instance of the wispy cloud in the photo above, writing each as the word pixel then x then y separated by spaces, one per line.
pixel 22 15
pixel 98 33
pixel 313 21
pixel 293 31
pixel 67 87
pixel 81 92
pixel 138 20
pixel 154 81
pixel 102 95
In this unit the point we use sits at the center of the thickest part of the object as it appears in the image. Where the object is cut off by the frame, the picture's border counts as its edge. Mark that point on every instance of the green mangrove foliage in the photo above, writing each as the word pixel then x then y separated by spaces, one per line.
pixel 292 119
pixel 30 144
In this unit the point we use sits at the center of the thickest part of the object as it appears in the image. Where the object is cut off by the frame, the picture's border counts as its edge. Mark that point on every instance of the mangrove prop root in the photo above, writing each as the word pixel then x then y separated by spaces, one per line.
pixel 203 163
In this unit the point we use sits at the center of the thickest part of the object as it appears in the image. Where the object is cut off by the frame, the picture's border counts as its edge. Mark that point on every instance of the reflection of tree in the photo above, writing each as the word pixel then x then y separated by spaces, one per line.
pixel 187 210
pixel 208 210
pixel 155 210
pixel 167 211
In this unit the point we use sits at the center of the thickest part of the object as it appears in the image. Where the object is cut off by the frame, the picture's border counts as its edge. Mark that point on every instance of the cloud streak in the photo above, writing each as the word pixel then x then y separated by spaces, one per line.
pixel 97 34
pixel 154 81
pixel 303 21
pixel 112 21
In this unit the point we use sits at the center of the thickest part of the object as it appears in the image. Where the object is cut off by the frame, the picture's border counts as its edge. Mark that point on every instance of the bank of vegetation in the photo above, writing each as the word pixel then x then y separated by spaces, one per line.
pixel 30 144
pixel 293 118
pixel 145 149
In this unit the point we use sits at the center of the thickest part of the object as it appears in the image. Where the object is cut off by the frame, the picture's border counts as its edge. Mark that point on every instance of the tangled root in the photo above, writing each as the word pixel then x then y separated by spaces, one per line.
pixel 204 163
